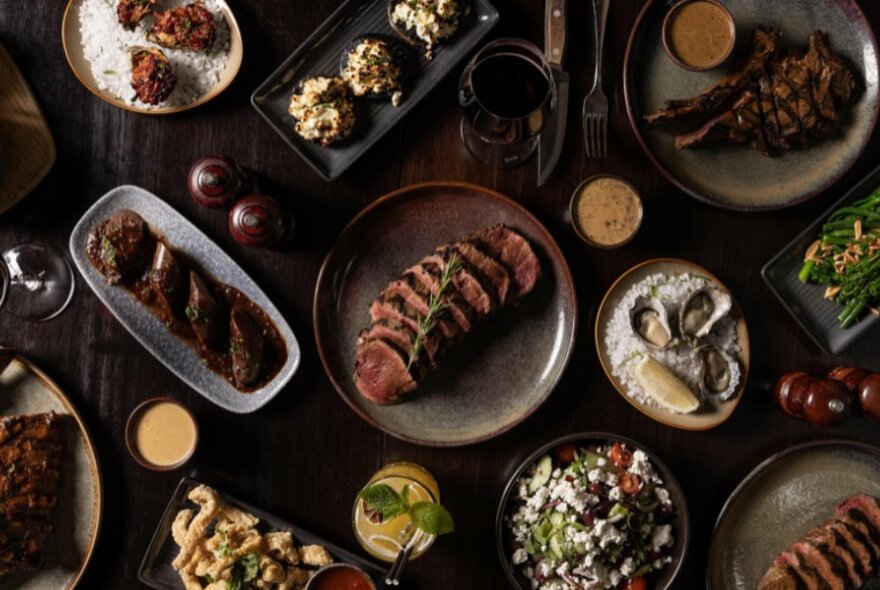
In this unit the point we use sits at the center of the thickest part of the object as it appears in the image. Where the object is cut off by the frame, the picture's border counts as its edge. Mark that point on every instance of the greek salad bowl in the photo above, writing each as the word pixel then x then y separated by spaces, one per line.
pixel 591 511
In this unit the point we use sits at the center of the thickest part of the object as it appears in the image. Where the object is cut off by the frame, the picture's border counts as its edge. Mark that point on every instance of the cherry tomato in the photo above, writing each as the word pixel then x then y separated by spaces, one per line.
pixel 565 454
pixel 638 583
pixel 621 456
pixel 629 483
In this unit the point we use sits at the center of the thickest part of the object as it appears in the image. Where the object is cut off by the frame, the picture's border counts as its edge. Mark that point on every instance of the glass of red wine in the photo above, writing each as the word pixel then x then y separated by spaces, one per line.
pixel 506 93
pixel 36 282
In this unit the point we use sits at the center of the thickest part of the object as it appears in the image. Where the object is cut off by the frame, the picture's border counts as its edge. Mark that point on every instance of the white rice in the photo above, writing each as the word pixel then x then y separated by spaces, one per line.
pixel 625 349
pixel 107 46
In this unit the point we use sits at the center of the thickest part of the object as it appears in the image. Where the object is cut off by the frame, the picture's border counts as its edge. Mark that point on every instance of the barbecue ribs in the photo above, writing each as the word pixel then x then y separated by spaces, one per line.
pixel 31 450
pixel 774 100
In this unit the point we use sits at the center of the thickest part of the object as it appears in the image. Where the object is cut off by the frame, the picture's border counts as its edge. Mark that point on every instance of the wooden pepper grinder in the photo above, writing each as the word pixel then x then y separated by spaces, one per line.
pixel 257 221
pixel 217 181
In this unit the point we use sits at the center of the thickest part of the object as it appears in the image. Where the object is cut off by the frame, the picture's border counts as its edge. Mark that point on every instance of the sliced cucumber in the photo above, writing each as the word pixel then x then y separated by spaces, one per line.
pixel 556 545
pixel 557 519
pixel 591 461
pixel 542 474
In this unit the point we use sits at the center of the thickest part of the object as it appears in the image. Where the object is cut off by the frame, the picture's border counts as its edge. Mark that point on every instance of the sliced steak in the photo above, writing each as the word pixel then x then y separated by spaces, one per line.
pixel 400 335
pixel 807 575
pixel 247 348
pixel 780 577
pixel 830 569
pixel 429 275
pixel 205 314
pixel 381 373
pixel 492 271
pixel 741 123
pixel 394 309
pixel 418 299
pixel 467 282
pixel 838 554
pixel 514 252
pixel 166 278
pixel 862 532
pixel 865 508
pixel 860 551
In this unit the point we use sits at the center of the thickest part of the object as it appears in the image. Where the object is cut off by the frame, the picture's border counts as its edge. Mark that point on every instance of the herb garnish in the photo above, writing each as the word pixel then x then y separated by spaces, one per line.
pixel 192 312
pixel 435 305
pixel 244 571
pixel 108 251
pixel 432 518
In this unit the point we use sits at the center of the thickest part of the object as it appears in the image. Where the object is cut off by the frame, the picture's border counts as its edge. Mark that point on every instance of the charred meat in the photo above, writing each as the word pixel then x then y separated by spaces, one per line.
pixel 118 247
pixel 166 277
pixel 31 453
pixel 151 75
pixel 130 12
pixel 246 348
pixel 434 304
pixel 840 554
pixel 775 100
pixel 189 27
pixel 205 314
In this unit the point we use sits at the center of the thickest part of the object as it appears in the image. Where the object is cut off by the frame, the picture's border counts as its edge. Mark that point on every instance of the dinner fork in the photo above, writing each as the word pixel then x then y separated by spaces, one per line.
pixel 596 103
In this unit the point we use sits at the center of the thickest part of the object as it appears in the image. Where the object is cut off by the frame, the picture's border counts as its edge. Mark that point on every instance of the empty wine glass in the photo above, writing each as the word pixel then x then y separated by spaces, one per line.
pixel 36 282
pixel 506 93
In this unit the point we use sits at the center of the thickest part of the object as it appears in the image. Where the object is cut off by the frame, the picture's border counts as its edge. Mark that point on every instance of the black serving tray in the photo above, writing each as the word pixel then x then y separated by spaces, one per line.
pixel 817 316
pixel 156 570
pixel 320 55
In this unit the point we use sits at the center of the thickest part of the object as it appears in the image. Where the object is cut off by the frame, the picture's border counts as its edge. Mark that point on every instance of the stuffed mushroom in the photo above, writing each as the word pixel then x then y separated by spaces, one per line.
pixel 324 109
pixel 376 66
pixel 427 23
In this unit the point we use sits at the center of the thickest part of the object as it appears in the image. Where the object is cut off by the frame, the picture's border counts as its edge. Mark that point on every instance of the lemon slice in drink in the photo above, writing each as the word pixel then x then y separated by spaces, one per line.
pixel 664 387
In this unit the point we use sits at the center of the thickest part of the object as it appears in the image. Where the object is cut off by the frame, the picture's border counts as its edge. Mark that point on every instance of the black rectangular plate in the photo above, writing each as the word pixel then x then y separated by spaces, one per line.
pixel 320 54
pixel 806 302
pixel 156 570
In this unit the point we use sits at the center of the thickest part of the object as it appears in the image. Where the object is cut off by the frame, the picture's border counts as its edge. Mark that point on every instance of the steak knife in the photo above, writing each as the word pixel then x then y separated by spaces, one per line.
pixel 553 134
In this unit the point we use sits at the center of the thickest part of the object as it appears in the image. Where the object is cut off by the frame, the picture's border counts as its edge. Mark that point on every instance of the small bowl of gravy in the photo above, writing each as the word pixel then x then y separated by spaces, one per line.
pixel 606 211
pixel 699 35
pixel 340 576
pixel 161 434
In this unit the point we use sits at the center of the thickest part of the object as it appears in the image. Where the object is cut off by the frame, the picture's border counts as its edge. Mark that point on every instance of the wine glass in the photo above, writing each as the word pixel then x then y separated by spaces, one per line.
pixel 506 92
pixel 36 282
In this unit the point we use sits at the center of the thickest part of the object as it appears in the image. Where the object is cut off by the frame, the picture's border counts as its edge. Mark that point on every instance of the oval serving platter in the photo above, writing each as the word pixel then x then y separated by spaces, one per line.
pixel 781 499
pixel 71 38
pixel 180 359
pixel 714 173
pixel 665 579
pixel 494 378
pixel 25 389
pixel 706 417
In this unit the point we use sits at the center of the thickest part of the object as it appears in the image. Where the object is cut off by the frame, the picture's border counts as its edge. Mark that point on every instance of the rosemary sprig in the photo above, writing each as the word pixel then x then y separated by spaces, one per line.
pixel 427 322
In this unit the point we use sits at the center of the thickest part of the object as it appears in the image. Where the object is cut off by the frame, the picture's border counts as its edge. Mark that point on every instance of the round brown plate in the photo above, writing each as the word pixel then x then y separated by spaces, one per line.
pixel 25 389
pixel 71 38
pixel 499 374
pixel 661 580
pixel 736 176
pixel 780 500
pixel 713 413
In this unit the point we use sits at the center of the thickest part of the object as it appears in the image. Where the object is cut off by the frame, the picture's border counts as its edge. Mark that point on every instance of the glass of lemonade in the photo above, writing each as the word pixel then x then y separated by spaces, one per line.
pixel 384 540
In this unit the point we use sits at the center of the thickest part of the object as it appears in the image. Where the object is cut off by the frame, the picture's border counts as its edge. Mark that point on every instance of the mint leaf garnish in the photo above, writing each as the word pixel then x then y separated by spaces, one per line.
pixel 434 519
pixel 382 499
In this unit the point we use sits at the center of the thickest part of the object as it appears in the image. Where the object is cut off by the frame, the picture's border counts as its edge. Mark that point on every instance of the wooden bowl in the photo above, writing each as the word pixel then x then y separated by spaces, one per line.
pixel 73 50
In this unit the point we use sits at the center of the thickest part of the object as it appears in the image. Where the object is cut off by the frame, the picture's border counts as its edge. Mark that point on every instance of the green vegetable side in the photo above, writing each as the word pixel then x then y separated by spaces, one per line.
pixel 846 259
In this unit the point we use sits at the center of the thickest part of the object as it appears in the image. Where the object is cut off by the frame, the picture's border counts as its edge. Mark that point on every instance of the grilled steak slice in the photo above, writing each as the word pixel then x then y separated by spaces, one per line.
pixel 773 130
pixel 433 304
pixel 247 348
pixel 205 314
pixel 166 278
pixel 858 548
pixel 381 373
pixel 31 451
pixel 863 533
pixel 808 577
pixel 429 275
pixel 780 577
pixel 839 556
pixel 830 76
pixel 741 123
pixel 491 270
pixel 862 510
pixel 514 252
pixel 830 569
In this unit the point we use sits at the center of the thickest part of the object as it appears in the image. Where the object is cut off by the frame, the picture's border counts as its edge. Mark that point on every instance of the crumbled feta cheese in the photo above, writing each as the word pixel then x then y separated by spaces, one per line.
pixel 615 494
pixel 562 507
pixel 661 537
pixel 662 495
pixel 520 556
pixel 562 569
pixel 641 466
pixel 627 568
pixel 613 578
pixel 595 475
pixel 601 461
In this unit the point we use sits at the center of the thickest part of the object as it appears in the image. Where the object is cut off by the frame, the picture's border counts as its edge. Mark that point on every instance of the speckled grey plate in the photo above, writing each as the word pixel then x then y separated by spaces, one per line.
pixel 735 176
pixel 780 500
pixel 25 389
pixel 175 354
pixel 491 380
pixel 662 580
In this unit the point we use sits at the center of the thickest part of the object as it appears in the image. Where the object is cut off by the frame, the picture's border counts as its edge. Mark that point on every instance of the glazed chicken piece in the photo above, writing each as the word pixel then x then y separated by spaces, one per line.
pixel 205 314
pixel 118 247
pixel 130 12
pixel 151 75
pixel 166 278
pixel 246 347
pixel 189 27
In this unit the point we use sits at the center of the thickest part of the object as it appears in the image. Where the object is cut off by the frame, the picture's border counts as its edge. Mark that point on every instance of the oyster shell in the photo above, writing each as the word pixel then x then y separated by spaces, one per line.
pixel 701 310
pixel 650 322
pixel 720 375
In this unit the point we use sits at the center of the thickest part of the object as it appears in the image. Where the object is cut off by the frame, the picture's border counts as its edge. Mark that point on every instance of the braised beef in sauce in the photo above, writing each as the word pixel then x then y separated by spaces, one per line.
pixel 233 336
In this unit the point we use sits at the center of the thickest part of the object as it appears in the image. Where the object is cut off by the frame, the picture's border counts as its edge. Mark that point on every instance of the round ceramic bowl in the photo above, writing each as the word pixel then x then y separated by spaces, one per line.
pixel 667 22
pixel 71 38
pixel 575 202
pixel 662 580
pixel 320 577
pixel 131 444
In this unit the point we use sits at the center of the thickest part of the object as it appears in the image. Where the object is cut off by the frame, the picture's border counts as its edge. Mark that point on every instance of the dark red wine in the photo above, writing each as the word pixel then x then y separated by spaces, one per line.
pixel 509 86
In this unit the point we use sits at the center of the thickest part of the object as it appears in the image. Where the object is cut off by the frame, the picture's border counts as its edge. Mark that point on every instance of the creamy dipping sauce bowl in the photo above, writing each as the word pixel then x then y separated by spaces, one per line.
pixel 699 35
pixel 606 211
pixel 161 434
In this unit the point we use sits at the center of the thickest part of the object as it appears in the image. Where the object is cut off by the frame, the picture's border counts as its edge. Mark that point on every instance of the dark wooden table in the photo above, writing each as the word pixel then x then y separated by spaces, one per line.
pixel 306 454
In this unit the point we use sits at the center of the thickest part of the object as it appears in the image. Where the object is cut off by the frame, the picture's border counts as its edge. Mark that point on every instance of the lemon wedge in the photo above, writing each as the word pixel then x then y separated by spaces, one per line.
pixel 664 387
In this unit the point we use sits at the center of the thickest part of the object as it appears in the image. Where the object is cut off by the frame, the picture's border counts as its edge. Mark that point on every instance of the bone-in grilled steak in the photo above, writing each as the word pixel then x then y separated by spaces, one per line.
pixel 841 554
pixel 774 100
pixel 419 315
pixel 31 449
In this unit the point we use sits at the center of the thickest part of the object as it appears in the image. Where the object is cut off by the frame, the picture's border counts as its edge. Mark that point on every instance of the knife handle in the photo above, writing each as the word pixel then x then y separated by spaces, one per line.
pixel 554 31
